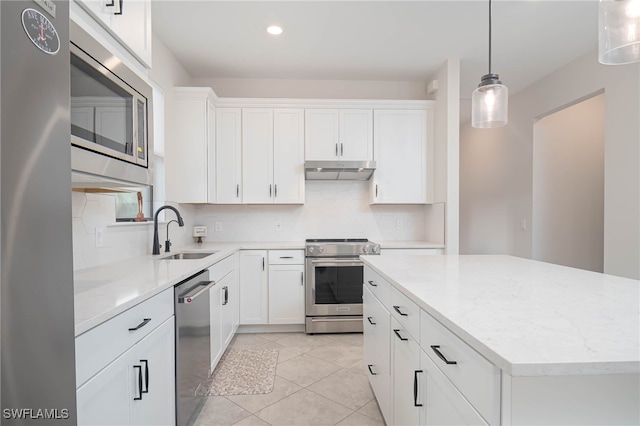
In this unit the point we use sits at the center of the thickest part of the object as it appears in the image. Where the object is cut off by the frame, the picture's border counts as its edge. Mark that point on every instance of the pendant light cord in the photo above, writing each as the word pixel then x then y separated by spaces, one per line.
pixel 489 36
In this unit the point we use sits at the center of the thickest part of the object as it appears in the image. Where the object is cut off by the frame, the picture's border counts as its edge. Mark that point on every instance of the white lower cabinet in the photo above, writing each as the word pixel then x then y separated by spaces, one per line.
pixel 411 386
pixel 254 301
pixel 272 287
pixel 406 368
pixel 442 403
pixel 137 388
pixel 286 294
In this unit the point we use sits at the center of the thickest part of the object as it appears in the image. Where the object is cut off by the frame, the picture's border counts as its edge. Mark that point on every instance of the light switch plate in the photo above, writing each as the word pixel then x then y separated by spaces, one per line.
pixel 99 237
pixel 218 226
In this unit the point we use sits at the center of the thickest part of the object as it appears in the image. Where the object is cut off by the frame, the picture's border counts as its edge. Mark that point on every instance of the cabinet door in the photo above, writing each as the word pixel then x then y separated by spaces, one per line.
pixel 105 399
pixel 156 356
pixel 356 134
pixel 400 146
pixel 226 309
pixel 442 403
pixel 377 350
pixel 257 155
pixel 288 156
pixel 286 294
pixel 186 152
pixel 99 10
pixel 253 287
pixel 322 134
pixel 406 368
pixel 228 155
pixel 133 27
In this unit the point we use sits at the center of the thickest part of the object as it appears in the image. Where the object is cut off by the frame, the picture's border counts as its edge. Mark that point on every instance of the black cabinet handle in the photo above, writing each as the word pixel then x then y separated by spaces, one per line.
pixel 435 349
pixel 397 308
pixel 341 148
pixel 286 257
pixel 263 263
pixel 146 377
pixel 275 190
pixel 110 3
pixel 226 295
pixel 399 336
pixel 372 284
pixel 139 368
pixel 370 321
pixel 238 191
pixel 336 150
pixel 142 324
pixel 270 190
pixel 415 388
pixel 376 190
pixel 370 370
pixel 120 11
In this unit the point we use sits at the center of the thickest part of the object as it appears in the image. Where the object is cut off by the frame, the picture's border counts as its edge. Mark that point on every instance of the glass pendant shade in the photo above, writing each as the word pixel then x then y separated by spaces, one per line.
pixel 489 103
pixel 619 32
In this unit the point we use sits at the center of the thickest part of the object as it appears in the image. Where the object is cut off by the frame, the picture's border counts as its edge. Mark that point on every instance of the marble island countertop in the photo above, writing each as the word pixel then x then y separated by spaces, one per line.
pixel 529 318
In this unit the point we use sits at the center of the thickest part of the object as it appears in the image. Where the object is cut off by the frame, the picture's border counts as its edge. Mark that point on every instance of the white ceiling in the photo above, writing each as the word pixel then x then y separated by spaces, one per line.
pixel 376 40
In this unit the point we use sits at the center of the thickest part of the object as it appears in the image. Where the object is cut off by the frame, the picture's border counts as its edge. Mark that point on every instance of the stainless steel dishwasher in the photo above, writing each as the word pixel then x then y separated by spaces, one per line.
pixel 193 348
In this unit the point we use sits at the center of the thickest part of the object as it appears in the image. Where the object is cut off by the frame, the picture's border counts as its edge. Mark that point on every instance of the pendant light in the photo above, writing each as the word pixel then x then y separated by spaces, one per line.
pixel 618 32
pixel 489 102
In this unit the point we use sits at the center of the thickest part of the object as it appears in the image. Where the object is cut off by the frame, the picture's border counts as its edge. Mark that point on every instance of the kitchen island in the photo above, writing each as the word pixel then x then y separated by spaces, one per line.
pixel 543 343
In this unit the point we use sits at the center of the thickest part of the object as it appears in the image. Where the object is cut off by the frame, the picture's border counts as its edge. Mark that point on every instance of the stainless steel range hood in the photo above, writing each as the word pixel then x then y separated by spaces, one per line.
pixel 339 170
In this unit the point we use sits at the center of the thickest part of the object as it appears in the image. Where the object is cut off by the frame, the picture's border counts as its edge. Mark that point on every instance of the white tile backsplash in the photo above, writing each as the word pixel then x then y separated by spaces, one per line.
pixel 332 209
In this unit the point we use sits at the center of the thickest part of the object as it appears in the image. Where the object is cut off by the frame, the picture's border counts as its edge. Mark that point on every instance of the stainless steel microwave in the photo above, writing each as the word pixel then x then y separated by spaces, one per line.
pixel 111 113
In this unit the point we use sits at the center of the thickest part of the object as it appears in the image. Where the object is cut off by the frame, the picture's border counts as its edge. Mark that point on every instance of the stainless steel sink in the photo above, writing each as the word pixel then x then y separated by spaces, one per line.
pixel 188 256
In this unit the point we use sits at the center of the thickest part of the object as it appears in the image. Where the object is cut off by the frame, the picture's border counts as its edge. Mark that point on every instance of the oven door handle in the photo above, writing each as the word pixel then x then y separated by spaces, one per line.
pixel 332 262
pixel 335 319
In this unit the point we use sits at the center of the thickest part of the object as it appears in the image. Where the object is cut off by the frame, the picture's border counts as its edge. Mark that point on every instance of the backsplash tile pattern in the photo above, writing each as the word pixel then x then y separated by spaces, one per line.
pixel 332 209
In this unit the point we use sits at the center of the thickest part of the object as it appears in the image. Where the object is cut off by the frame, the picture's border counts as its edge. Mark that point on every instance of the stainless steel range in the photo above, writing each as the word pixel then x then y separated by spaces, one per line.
pixel 334 284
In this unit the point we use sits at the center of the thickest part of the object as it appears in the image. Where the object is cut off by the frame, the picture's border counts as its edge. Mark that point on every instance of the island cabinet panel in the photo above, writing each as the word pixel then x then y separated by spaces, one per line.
pixel 477 378
pixel 406 369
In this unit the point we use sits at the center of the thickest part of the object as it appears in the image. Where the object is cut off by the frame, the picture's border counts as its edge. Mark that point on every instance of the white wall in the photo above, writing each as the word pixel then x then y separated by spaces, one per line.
pixel 497 164
pixel 314 89
pixel 337 209
pixel 568 186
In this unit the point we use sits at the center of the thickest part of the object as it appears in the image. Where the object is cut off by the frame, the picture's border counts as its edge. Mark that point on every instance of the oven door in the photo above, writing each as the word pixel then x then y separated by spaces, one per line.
pixel 334 287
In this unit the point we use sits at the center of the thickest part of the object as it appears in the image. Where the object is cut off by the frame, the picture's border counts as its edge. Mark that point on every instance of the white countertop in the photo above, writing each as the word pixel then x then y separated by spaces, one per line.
pixel 529 318
pixel 102 292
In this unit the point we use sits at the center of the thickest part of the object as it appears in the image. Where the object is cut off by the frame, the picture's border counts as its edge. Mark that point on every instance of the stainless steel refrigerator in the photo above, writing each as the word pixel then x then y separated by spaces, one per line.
pixel 36 299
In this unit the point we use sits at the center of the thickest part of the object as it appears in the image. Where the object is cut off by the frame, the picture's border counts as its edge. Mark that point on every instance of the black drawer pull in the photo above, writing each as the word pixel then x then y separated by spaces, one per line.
pixel 286 257
pixel 397 308
pixel 435 349
pixel 142 324
pixel 372 284
pixel 371 371
pixel 370 320
pixel 138 398
pixel 399 336
pixel 415 388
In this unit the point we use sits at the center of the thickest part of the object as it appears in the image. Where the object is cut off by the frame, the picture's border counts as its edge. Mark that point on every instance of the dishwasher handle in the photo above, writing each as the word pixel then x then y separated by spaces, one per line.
pixel 195 291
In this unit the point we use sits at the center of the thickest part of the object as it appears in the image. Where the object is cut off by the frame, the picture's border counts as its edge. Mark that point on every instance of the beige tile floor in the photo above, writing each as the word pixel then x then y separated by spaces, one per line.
pixel 320 380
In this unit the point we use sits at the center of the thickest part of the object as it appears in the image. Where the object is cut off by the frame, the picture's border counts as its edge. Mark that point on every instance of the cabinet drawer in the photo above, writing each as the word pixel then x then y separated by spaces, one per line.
pixel 99 346
pixel 406 312
pixel 286 257
pixel 220 269
pixel 475 377
pixel 378 286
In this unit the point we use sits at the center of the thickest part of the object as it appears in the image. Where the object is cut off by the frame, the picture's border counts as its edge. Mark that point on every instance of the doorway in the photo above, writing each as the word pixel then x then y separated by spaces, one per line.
pixel 568 186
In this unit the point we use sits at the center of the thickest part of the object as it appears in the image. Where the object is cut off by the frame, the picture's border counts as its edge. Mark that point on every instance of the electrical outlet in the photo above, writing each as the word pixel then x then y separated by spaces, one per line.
pixel 523 224
pixel 218 226
pixel 99 237
pixel 399 224
pixel 278 225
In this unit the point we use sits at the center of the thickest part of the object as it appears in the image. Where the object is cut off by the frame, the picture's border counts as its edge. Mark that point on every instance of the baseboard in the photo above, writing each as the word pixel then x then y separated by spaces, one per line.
pixel 270 328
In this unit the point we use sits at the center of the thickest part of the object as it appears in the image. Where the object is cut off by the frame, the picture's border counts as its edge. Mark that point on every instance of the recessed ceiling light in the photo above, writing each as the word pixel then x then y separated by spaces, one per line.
pixel 274 30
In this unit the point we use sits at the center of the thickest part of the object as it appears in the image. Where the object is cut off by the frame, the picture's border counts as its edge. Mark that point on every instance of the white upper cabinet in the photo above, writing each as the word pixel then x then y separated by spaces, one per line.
pixel 402 147
pixel 190 148
pixel 339 134
pixel 272 156
pixel 228 159
pixel 129 21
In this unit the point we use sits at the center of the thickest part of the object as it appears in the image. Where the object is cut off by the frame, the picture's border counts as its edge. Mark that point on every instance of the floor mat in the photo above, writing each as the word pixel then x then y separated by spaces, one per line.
pixel 244 372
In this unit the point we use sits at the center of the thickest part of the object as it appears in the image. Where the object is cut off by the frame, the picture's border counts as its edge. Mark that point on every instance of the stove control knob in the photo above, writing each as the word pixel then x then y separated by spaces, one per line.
pixel 375 249
pixel 320 249
pixel 311 250
pixel 365 249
